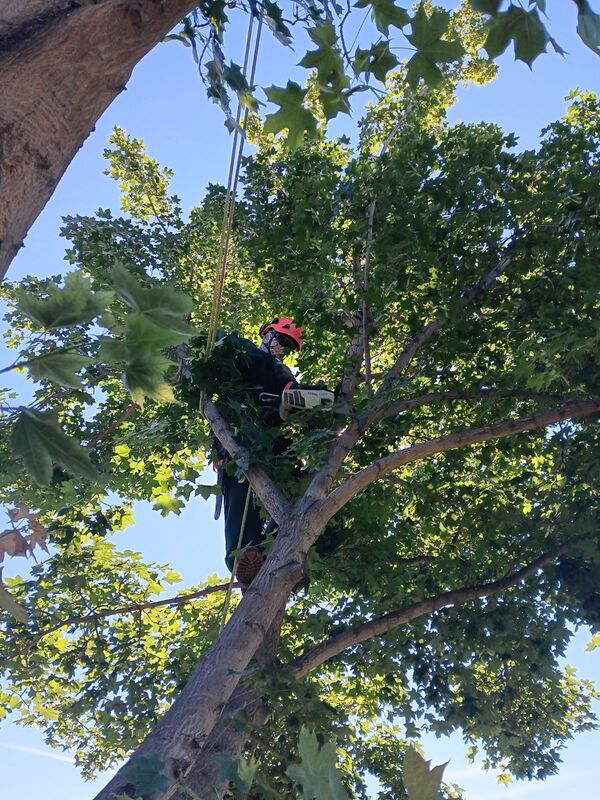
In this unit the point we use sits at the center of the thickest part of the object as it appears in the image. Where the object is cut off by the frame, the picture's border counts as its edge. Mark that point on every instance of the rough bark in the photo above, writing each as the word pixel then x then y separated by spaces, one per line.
pixel 249 709
pixel 62 62
pixel 183 733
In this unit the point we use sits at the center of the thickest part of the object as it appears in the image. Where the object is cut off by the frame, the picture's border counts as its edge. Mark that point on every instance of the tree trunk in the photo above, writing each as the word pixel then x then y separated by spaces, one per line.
pixel 184 733
pixel 247 706
pixel 62 62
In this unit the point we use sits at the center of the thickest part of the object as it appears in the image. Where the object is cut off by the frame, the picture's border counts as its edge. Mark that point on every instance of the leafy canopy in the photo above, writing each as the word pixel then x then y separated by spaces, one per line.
pixel 78 657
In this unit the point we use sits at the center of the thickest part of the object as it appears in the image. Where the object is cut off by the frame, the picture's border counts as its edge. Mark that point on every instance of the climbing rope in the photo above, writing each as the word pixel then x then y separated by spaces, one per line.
pixel 235 163
pixel 235 562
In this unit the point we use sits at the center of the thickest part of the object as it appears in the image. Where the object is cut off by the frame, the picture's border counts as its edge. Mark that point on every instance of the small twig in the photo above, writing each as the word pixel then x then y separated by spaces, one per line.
pixel 114 425
pixel 129 609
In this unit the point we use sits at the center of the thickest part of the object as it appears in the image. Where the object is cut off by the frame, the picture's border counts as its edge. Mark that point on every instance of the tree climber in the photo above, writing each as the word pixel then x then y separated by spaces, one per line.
pixel 264 391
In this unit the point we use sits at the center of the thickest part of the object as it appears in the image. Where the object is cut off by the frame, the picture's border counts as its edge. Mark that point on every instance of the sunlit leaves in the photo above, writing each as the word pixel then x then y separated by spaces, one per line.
pixel 38 440
pixel 292 116
pixel 385 13
pixel 74 303
pixel 432 49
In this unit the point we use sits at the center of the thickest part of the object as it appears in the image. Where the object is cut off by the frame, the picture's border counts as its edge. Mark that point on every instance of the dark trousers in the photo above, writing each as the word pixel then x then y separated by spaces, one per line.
pixel 234 501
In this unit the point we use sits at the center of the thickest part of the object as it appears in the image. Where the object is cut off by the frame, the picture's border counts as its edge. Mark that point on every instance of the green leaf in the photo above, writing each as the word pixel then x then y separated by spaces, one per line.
pixel 239 771
pixel 143 333
pixel 60 367
pixel 486 6
pixel 292 114
pixel 146 774
pixel 274 20
pixel 333 101
pixel 326 59
pixel 38 440
pixel 385 13
pixel 588 26
pixel 420 66
pixel 72 304
pixel 112 350
pixel 317 772
pixel 167 504
pixel 524 28
pixel 421 783
pixel 163 305
pixel 432 50
pixel 206 491
pixel 376 61
pixel 145 377
pixel 15 609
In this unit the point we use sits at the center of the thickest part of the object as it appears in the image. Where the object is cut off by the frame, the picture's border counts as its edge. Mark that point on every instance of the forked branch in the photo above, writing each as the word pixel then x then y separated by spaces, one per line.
pixel 425 334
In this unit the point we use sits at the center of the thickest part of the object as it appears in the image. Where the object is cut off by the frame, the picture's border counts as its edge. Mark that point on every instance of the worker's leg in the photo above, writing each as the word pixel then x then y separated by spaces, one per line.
pixel 234 502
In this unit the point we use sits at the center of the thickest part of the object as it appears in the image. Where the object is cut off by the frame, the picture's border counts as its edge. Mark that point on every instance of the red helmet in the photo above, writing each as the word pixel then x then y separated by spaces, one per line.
pixel 285 326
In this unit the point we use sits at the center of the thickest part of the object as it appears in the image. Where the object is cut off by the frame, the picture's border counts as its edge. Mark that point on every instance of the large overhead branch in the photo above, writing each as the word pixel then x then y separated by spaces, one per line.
pixel 62 62
pixel 323 480
pixel 335 645
pixel 442 444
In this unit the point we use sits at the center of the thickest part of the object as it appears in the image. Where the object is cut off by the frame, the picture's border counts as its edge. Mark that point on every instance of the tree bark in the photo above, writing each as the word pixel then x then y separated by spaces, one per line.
pixel 183 733
pixel 249 707
pixel 62 62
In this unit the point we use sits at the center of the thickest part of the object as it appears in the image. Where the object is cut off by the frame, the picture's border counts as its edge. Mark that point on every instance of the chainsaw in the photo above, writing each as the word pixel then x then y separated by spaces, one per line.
pixel 300 398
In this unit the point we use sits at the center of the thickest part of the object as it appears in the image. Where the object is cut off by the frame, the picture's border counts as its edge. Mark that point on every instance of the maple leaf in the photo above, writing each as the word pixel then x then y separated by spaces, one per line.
pixel 317 773
pixel 385 13
pixel 292 114
pixel 431 49
pixel 12 543
pixel 421 782
pixel 377 61
pixel 20 512
pixel 522 27
pixel 326 59
pixel 37 536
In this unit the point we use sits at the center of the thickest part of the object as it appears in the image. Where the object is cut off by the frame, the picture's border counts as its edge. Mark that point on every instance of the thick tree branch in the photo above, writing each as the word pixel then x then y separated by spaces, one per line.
pixel 542 419
pixel 452 395
pixel 337 644
pixel 62 63
pixel 323 480
pixel 263 486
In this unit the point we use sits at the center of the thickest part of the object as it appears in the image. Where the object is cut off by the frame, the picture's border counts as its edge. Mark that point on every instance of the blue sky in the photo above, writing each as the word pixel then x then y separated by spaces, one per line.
pixel 165 104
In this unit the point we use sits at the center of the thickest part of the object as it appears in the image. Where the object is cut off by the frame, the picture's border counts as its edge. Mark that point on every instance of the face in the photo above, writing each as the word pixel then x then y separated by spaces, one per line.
pixel 276 345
